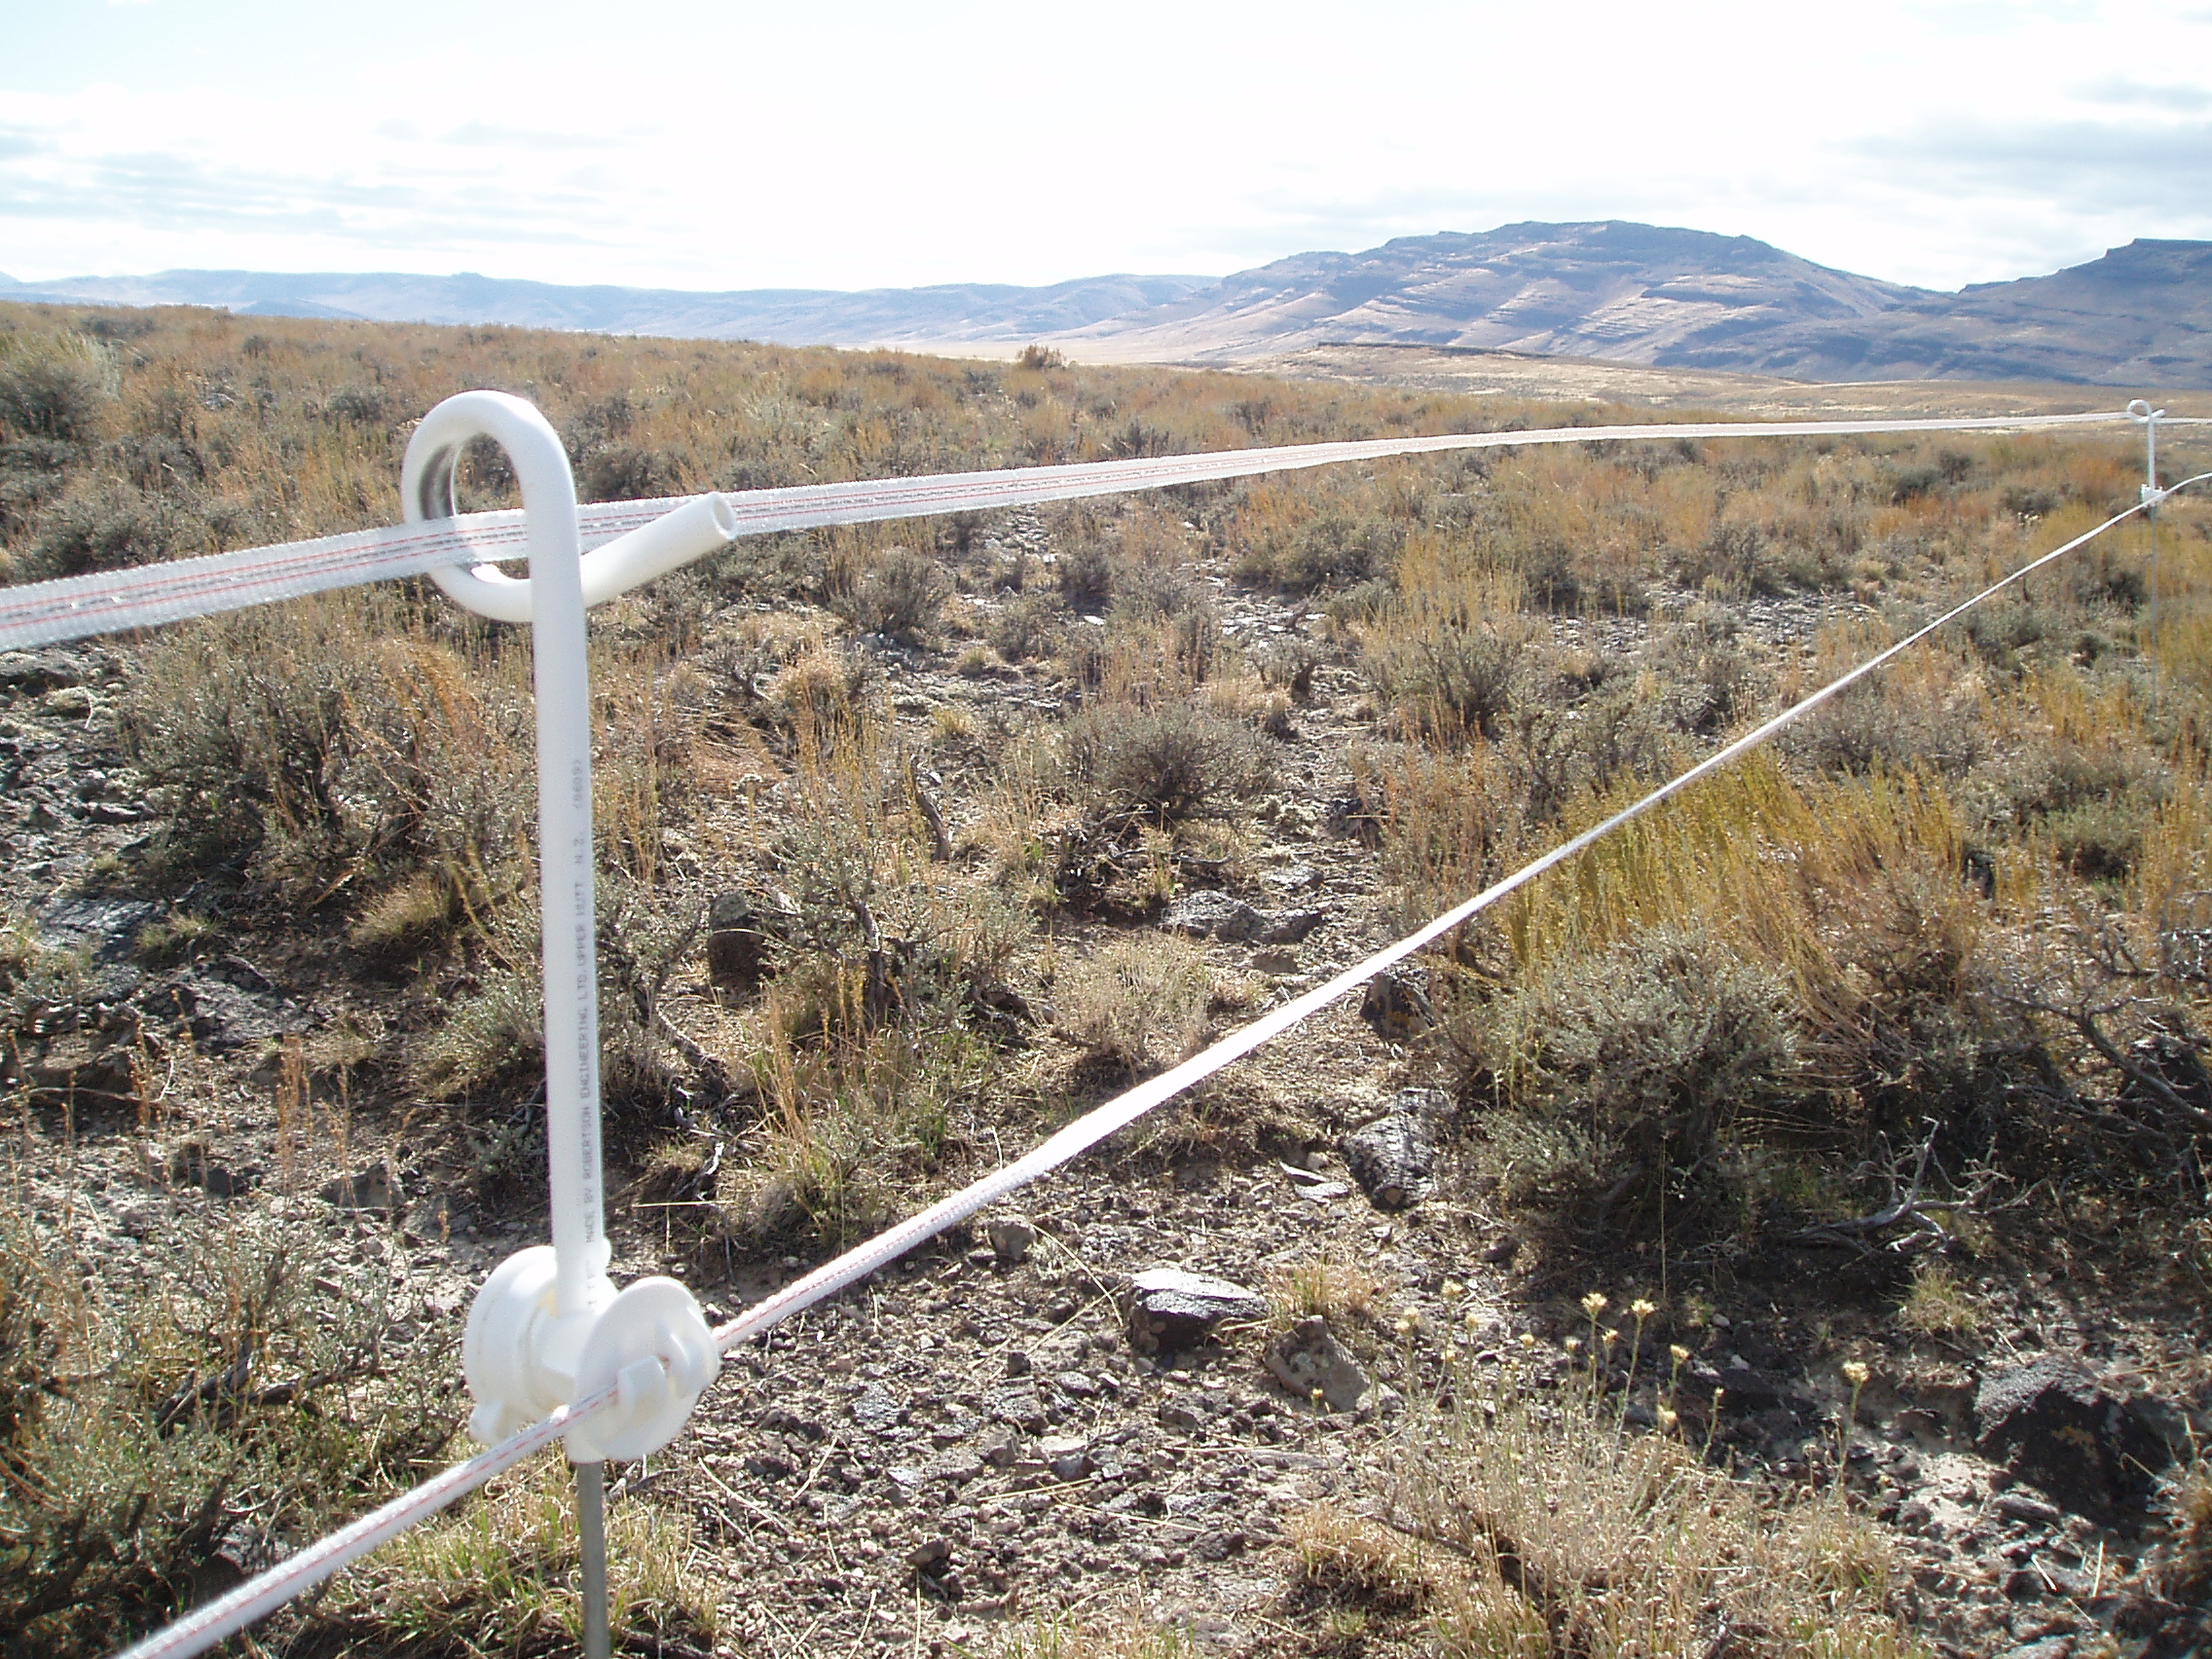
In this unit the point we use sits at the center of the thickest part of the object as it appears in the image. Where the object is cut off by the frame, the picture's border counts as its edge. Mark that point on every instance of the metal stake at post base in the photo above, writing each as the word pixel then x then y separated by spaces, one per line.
pixel 549 1326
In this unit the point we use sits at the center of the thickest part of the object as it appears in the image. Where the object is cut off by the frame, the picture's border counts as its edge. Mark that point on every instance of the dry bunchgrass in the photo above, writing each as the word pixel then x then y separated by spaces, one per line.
pixel 1139 1002
pixel 494 1577
pixel 1128 1634
pixel 1937 1305
pixel 1527 1520
pixel 1333 1287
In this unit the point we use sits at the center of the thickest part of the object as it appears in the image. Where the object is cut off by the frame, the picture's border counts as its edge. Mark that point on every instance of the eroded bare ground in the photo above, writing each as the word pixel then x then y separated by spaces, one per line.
pixel 1513 374
pixel 972 1447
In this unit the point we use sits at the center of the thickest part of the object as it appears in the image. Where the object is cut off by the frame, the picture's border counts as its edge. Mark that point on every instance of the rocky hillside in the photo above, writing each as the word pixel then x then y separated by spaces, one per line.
pixel 1633 292
pixel 2141 315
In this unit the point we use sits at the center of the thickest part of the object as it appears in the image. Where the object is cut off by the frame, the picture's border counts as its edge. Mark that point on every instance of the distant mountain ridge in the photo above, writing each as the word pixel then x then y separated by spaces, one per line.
pixel 1610 289
pixel 794 316
pixel 2140 315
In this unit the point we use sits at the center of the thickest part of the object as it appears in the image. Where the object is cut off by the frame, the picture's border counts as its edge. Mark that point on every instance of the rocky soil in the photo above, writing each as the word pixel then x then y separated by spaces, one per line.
pixel 1015 1424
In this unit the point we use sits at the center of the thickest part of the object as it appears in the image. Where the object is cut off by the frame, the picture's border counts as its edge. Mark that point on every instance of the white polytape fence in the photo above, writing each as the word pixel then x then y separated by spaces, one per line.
pixel 630 542
pixel 636 540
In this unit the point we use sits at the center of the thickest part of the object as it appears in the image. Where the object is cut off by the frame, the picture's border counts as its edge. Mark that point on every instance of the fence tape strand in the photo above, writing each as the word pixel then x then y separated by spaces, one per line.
pixel 205 1626
pixel 146 596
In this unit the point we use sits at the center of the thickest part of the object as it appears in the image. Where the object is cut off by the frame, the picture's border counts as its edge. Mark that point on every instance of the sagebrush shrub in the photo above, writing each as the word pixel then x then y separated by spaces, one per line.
pixel 56 388
pixel 1167 765
pixel 1630 1079
pixel 899 595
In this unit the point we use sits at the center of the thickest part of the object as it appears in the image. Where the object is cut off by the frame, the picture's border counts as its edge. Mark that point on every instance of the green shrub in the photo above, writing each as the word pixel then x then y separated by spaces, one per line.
pixel 1027 627
pixel 112 526
pixel 359 405
pixel 1631 1081
pixel 158 1437
pixel 1735 559
pixel 325 737
pixel 899 595
pixel 1166 764
pixel 1084 575
pixel 1450 683
pixel 56 388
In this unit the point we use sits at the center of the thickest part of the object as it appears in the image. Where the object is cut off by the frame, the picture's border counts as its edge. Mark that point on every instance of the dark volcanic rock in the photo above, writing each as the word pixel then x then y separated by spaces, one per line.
pixel 1393 1158
pixel 2053 1425
pixel 1207 914
pixel 1169 1308
pixel 105 929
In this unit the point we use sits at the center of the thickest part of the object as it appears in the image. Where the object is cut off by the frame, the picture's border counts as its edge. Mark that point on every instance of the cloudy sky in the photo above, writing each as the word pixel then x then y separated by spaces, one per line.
pixel 739 145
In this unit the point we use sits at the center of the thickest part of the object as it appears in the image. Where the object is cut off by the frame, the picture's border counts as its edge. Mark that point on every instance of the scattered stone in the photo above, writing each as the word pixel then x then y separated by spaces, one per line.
pixel 1307 1358
pixel 78 1065
pixel 1186 1413
pixel 1076 1385
pixel 1393 1158
pixel 2054 1428
pixel 877 1410
pixel 1208 914
pixel 1381 1400
pixel 930 1552
pixel 1169 1308
pixel 222 1017
pixel 1396 1007
pixel 105 929
pixel 2021 1506
pixel 1011 1238
pixel 1066 1456
pixel 1018 1403
pixel 39 670
pixel 958 1464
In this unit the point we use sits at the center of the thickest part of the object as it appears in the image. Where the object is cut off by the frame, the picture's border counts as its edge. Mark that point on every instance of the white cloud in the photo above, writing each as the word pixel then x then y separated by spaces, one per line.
pixel 758 145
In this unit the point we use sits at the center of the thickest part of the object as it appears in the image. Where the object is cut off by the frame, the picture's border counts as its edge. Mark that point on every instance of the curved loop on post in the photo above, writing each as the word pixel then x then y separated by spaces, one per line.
pixel 541 469
pixel 692 531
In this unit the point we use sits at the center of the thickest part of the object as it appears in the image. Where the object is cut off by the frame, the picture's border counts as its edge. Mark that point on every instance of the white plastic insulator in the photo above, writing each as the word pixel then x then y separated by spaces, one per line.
pixel 671 542
pixel 525 1359
pixel 520 1353
pixel 654 1345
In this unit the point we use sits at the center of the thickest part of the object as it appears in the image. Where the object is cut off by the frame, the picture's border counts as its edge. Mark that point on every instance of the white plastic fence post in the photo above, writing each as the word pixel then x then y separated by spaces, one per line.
pixel 2152 495
pixel 548 1328
pixel 555 614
